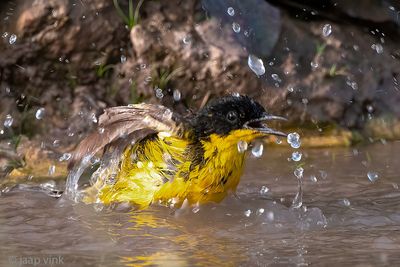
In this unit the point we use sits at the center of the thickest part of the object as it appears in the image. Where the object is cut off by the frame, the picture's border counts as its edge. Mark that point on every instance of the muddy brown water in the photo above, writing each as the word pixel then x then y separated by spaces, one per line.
pixel 346 220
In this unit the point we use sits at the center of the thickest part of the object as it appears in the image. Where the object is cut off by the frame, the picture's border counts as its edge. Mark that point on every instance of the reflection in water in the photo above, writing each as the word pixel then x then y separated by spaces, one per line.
pixel 345 218
pixel 174 245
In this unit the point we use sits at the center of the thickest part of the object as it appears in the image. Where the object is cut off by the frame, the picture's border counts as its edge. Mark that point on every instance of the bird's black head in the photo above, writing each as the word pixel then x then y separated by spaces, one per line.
pixel 233 112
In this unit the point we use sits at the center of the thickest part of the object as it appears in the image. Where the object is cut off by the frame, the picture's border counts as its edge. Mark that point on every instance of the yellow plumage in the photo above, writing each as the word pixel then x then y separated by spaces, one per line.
pixel 152 155
pixel 161 169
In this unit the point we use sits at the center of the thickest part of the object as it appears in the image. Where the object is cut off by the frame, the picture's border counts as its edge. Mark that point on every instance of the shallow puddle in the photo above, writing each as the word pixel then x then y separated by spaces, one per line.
pixel 346 219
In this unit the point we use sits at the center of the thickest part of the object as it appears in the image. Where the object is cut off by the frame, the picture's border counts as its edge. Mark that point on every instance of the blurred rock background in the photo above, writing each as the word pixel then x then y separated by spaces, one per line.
pixel 331 67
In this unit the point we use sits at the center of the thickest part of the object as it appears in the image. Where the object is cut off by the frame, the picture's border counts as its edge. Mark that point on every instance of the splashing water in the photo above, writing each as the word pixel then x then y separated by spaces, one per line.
pixel 52 170
pixel 236 27
pixel 65 157
pixel 373 176
pixel 378 48
pixel 346 202
pixel 8 121
pixel 298 199
pixel 159 93
pixel 264 190
pixel 177 95
pixel 293 140
pixel 231 11
pixel 187 39
pixel 40 113
pixel 13 39
pixel 242 146
pixel 296 156
pixel 247 213
pixel 257 149
pixel 326 30
pixel 256 65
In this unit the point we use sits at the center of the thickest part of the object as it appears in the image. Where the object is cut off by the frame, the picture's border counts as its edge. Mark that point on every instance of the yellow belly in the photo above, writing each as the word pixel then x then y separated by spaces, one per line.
pixel 162 170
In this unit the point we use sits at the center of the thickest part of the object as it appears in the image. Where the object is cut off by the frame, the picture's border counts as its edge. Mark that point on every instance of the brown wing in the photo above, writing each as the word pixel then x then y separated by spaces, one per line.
pixel 127 124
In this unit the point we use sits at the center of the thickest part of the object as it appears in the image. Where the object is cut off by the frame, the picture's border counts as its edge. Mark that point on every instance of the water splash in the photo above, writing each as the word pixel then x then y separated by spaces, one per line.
pixel 13 39
pixel 231 11
pixel 236 27
pixel 296 156
pixel 256 65
pixel 373 176
pixel 293 140
pixel 264 190
pixel 242 146
pixel 298 199
pixel 177 95
pixel 326 30
pixel 40 113
pixel 257 150
pixel 8 121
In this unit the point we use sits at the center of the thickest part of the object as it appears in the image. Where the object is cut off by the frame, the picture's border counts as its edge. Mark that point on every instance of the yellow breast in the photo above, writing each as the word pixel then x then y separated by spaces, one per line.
pixel 170 170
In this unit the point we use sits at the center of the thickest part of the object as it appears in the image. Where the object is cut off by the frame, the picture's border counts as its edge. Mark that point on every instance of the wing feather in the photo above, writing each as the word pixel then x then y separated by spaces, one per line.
pixel 127 124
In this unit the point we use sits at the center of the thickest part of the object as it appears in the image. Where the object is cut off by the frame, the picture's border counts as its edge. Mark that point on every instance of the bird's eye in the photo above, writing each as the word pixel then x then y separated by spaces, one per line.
pixel 232 116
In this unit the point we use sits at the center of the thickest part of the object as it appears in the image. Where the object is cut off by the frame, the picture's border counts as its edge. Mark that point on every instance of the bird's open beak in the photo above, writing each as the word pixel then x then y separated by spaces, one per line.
pixel 260 125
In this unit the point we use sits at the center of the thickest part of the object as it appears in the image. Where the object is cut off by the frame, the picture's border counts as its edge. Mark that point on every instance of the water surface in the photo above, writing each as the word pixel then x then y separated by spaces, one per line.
pixel 345 220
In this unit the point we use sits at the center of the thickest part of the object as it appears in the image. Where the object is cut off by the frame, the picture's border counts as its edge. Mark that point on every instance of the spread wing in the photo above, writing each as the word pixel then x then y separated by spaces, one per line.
pixel 120 126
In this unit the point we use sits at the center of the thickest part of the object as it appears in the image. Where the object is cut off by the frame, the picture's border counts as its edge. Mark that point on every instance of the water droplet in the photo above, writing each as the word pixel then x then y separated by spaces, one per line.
pixel 314 65
pixel 370 108
pixel 378 48
pixel 176 95
pixel 65 157
pixel 373 176
pixel 313 178
pixel 264 190
pixel 293 140
pixel 326 30
pixel 346 202
pixel 290 89
pixel 270 216
pixel 256 65
pixel 8 121
pixel 242 146
pixel 196 209
pixel 298 199
pixel 187 39
pixel 56 143
pixel 98 207
pixel 236 27
pixel 101 130
pixel 143 66
pixel 50 185
pixel 4 35
pixel 260 211
pixel 93 118
pixel 231 11
pixel 323 174
pixel 257 149
pixel 247 213
pixel 276 77
pixel 40 113
pixel 52 170
pixel 13 39
pixel 296 156
pixel 159 93
pixel 298 172
pixel 123 59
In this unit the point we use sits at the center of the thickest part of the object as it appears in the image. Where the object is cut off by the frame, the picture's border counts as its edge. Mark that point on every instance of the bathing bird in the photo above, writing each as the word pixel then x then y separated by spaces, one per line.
pixel 153 155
